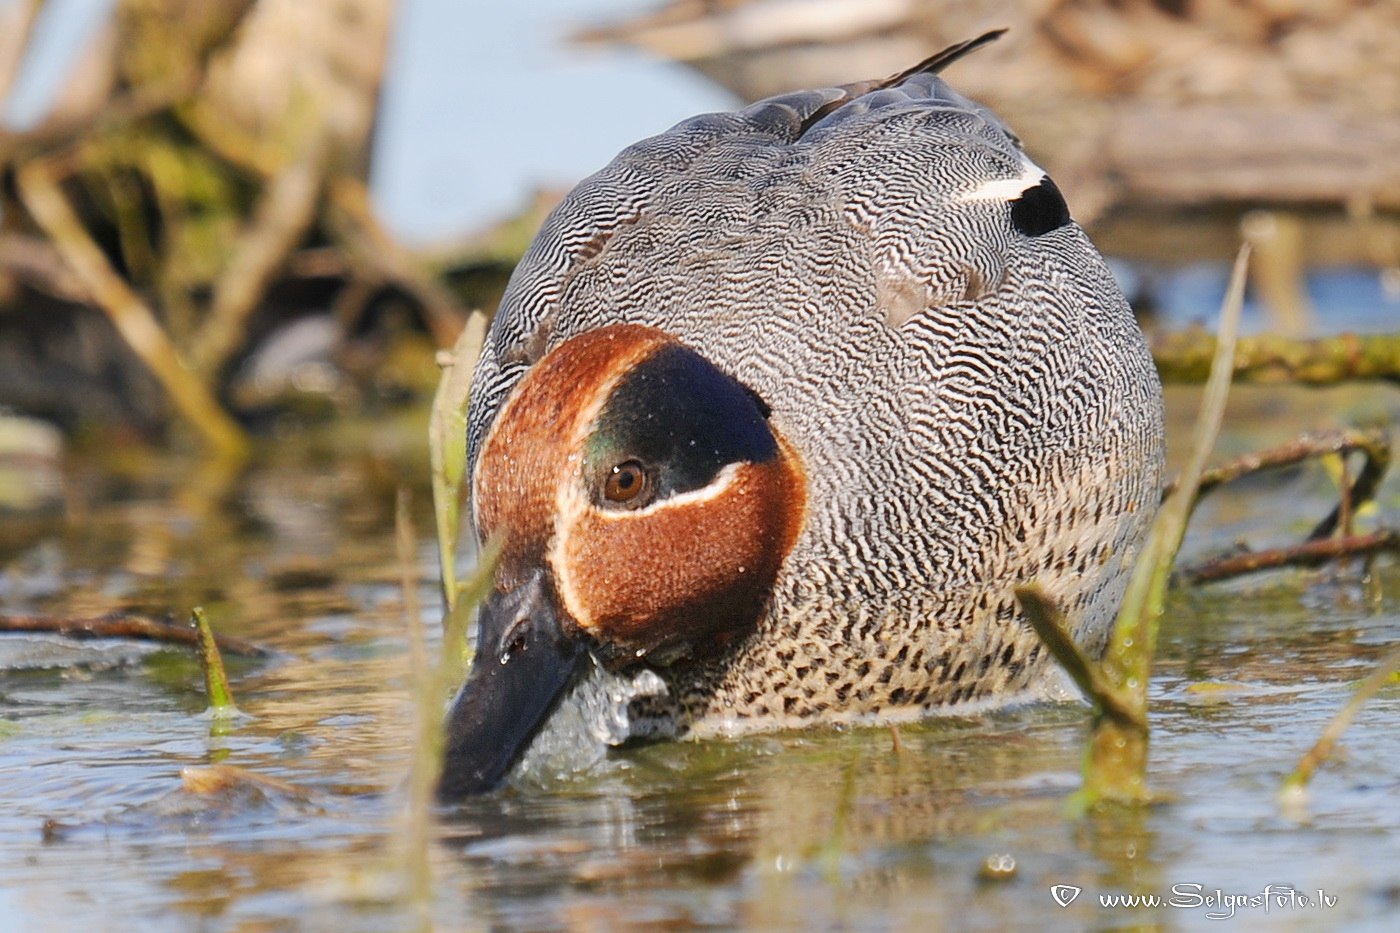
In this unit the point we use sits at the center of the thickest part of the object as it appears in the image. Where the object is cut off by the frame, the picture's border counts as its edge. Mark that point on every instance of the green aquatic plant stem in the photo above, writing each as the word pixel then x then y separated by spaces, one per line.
pixel 1385 672
pixel 430 684
pixel 215 677
pixel 1115 759
pixel 426 760
pixel 1048 620
pixel 1129 658
pixel 447 446
pixel 470 593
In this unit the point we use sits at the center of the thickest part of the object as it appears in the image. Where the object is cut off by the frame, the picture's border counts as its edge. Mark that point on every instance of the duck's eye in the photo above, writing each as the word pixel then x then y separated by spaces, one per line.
pixel 625 482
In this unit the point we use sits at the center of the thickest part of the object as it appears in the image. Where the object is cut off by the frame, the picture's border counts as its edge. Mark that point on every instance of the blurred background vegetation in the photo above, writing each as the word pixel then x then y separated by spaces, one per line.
pixel 190 252
pixel 189 227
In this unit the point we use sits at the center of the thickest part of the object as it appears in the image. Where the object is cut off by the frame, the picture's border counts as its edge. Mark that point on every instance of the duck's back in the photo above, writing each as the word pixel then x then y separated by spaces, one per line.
pixel 970 395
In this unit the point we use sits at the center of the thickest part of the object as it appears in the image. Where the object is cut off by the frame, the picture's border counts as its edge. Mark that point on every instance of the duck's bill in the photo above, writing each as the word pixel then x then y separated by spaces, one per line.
pixel 524 661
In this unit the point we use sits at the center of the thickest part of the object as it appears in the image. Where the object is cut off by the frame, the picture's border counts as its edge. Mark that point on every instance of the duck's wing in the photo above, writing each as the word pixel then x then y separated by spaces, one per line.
pixel 653 182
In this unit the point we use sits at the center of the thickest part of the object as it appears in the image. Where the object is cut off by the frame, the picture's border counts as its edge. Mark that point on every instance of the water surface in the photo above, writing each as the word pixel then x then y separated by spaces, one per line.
pixel 803 831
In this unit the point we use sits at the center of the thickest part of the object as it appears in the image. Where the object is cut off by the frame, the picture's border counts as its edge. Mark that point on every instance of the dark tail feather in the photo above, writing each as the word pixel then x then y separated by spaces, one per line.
pixel 934 64
pixel 940 60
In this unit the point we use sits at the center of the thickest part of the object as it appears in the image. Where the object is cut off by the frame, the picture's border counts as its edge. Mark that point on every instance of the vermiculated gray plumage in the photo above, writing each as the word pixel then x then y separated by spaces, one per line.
pixel 972 399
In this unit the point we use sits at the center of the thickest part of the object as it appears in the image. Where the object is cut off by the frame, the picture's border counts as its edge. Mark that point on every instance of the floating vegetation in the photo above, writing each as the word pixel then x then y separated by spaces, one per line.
pixel 1185 357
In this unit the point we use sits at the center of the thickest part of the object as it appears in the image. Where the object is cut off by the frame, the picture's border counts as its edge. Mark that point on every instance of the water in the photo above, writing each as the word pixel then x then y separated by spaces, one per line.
pixel 802 831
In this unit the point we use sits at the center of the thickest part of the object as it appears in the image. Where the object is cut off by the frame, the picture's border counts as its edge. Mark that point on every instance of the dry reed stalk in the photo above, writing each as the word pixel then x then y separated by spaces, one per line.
pixel 39 187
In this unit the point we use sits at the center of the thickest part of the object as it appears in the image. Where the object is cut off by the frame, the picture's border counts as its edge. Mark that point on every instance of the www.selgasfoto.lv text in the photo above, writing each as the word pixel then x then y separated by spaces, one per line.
pixel 1221 905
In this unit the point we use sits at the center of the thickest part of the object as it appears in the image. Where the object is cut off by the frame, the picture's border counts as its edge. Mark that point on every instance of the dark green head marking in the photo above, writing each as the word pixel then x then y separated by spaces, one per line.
pixel 670 426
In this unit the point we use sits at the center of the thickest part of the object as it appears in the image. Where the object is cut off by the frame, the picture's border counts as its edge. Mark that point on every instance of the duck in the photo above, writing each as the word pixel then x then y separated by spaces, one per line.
pixel 1180 127
pixel 777 411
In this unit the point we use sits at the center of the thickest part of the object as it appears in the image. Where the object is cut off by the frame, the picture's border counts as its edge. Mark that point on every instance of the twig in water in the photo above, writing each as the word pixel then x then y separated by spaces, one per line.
pixel 897 743
pixel 1307 554
pixel 225 779
pixel 1319 547
pixel 1374 446
pixel 122 625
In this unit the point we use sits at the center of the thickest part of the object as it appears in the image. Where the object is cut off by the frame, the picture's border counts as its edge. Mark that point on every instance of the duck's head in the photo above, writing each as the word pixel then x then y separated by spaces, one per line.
pixel 645 503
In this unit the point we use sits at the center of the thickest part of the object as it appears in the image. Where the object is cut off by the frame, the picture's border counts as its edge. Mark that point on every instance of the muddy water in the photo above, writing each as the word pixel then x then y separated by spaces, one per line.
pixel 821 830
